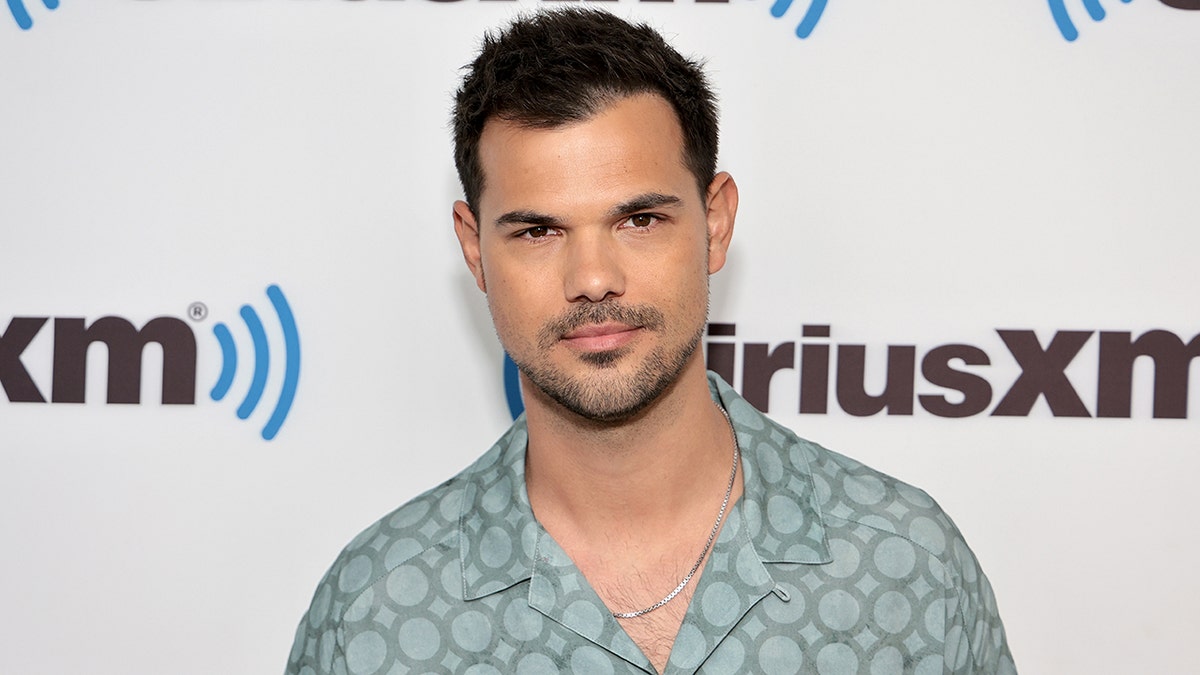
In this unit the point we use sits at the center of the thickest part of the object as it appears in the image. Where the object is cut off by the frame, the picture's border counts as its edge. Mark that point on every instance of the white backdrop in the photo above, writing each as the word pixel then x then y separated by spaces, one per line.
pixel 912 173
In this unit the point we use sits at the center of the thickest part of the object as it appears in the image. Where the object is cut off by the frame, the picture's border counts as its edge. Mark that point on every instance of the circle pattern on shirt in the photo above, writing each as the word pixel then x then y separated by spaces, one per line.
pixel 768 600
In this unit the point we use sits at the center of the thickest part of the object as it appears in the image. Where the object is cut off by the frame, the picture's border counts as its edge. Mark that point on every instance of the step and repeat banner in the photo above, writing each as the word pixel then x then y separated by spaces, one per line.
pixel 237 328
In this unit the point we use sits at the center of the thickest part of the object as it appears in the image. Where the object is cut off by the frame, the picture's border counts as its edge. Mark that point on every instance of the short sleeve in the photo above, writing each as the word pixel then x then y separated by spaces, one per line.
pixel 317 648
pixel 975 640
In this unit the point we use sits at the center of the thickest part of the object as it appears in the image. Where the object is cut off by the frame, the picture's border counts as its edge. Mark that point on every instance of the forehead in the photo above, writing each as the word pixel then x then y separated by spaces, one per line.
pixel 631 146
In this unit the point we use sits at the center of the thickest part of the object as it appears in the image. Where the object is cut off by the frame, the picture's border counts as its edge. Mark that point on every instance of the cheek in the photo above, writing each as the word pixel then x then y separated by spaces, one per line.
pixel 507 329
pixel 686 275
pixel 696 294
pixel 513 309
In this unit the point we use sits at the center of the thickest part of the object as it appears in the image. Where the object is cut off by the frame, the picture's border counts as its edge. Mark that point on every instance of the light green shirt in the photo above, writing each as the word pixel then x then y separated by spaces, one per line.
pixel 823 566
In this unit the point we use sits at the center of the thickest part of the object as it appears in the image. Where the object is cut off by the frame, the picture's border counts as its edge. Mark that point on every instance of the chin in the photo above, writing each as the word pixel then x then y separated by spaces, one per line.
pixel 607 359
pixel 603 394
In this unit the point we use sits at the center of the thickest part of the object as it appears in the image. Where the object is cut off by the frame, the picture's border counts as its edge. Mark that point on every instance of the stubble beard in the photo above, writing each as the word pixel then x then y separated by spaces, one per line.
pixel 604 397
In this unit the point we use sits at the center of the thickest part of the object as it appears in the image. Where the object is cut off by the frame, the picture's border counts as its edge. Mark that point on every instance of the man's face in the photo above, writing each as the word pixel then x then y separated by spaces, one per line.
pixel 594 248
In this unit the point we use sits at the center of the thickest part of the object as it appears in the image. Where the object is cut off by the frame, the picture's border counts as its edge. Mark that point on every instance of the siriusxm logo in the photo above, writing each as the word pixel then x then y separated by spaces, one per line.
pixel 779 8
pixel 125 347
pixel 957 369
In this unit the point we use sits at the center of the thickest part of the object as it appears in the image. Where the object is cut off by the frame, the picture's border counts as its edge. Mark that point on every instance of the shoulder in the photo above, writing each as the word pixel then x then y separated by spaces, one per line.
pixel 848 493
pixel 426 524
pixel 874 522
pixel 798 482
pixel 429 524
pixel 429 521
pixel 425 531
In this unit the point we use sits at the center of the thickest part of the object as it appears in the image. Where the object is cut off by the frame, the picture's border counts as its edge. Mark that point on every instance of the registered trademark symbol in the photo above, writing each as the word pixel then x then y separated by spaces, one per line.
pixel 197 311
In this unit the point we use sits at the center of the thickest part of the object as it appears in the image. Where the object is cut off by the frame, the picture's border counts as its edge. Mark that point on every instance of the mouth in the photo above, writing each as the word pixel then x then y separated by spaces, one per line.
pixel 601 336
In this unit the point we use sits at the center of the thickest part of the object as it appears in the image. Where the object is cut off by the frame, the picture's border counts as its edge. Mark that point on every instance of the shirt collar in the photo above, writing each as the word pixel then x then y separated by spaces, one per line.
pixel 780 504
pixel 779 508
pixel 496 505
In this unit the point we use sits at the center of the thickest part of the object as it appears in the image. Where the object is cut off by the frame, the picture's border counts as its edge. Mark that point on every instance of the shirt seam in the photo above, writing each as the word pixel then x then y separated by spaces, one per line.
pixel 966 634
pixel 946 567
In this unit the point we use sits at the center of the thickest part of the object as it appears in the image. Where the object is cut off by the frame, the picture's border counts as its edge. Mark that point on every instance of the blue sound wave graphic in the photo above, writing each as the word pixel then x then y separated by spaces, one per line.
pixel 512 388
pixel 1067 27
pixel 228 361
pixel 262 362
pixel 815 9
pixel 21 15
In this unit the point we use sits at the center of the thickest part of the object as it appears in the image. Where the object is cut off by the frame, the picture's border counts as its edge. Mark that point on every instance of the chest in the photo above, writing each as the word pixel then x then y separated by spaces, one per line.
pixel 657 591
pixel 655 631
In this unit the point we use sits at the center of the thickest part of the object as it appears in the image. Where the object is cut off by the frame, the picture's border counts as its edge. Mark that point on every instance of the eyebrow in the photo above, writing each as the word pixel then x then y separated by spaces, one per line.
pixel 650 200
pixel 534 218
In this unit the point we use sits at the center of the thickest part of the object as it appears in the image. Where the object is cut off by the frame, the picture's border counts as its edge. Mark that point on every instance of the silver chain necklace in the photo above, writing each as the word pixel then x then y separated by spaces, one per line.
pixel 711 535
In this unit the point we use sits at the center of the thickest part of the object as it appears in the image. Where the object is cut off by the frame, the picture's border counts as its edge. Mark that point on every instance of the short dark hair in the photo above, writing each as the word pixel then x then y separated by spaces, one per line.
pixel 554 67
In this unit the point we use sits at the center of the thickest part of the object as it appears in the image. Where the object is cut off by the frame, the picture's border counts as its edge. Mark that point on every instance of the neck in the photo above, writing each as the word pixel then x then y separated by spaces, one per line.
pixel 634 478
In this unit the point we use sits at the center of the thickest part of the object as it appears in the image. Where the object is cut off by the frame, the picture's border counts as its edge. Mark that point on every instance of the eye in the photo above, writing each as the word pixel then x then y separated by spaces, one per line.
pixel 641 220
pixel 536 232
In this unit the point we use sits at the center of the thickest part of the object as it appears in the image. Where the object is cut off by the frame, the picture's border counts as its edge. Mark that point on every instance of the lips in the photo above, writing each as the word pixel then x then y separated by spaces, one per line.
pixel 601 336
pixel 599 326
pixel 598 330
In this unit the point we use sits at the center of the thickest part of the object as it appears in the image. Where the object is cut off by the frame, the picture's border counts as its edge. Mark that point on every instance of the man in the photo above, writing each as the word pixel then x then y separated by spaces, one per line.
pixel 641 516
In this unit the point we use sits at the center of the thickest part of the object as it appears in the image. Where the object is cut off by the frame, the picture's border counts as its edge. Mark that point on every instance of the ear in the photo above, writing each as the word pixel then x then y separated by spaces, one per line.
pixel 467 231
pixel 722 203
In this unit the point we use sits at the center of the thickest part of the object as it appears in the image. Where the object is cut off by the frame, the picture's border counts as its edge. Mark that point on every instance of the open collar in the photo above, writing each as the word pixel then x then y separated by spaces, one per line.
pixel 777 520
pixel 495 507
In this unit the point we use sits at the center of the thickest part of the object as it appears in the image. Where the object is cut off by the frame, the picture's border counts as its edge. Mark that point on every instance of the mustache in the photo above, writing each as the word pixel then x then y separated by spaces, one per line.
pixel 645 316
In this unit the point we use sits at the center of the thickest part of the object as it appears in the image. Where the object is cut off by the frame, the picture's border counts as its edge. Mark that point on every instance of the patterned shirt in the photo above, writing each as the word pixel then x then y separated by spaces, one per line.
pixel 823 566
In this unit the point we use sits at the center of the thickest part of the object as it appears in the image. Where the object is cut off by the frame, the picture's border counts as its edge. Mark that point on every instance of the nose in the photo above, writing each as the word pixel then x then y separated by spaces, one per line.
pixel 593 268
